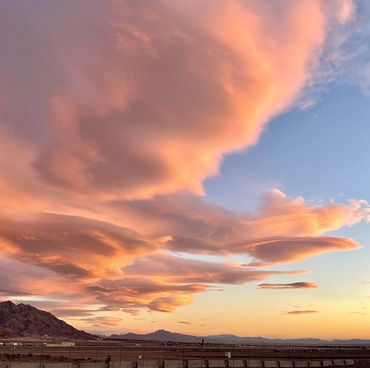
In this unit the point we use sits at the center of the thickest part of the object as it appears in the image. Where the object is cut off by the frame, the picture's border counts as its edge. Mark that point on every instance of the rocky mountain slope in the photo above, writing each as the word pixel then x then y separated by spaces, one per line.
pixel 22 320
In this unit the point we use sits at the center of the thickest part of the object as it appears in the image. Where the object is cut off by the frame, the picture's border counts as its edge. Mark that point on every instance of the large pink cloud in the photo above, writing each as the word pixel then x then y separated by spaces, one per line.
pixel 122 85
pixel 111 116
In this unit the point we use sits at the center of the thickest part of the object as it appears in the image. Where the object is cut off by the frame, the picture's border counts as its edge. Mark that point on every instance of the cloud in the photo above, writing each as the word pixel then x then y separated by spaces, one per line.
pixel 121 268
pixel 163 282
pixel 292 285
pixel 67 313
pixel 73 246
pixel 125 85
pixel 133 294
pixel 284 230
pixel 364 282
pixel 101 321
pixel 112 116
pixel 178 270
pixel 272 251
pixel 300 312
pixel 359 313
pixel 184 322
pixel 346 11
pixel 19 279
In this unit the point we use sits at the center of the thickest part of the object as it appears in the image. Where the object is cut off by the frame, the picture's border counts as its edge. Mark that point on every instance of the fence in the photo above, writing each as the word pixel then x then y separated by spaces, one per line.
pixel 118 354
pixel 192 363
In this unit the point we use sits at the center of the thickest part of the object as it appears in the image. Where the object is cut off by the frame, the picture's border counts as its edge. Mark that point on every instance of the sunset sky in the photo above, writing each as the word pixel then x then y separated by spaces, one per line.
pixel 197 166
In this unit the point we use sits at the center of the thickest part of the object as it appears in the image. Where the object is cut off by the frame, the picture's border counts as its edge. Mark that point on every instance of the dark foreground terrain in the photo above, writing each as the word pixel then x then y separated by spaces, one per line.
pixel 63 346
pixel 151 354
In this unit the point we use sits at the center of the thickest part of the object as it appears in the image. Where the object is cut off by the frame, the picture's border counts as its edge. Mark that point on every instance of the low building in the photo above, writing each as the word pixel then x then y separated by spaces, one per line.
pixel 64 344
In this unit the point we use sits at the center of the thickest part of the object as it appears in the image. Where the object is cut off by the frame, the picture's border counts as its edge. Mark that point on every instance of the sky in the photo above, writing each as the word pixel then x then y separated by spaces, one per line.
pixel 200 167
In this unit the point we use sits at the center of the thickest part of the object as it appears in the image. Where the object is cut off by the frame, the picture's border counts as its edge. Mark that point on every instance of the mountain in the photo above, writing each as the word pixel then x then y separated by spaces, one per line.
pixel 22 320
pixel 160 335
pixel 167 336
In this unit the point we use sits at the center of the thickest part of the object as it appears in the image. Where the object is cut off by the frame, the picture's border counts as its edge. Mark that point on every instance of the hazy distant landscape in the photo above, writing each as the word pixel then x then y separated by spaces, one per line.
pixel 32 336
pixel 25 321
pixel 162 335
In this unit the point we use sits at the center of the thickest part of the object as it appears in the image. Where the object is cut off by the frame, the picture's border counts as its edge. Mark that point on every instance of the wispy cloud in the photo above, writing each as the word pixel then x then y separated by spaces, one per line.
pixel 292 285
pixel 364 282
pixel 300 312
pixel 360 313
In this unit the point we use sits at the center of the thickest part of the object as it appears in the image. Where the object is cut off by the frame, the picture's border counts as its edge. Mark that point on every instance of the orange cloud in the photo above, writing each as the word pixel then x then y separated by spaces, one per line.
pixel 133 294
pixel 272 251
pixel 73 246
pixel 285 230
pixel 178 270
pixel 126 269
pixel 121 268
pixel 164 282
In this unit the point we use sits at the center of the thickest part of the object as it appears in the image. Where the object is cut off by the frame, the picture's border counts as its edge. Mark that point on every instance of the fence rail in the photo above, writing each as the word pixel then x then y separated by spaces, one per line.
pixel 191 363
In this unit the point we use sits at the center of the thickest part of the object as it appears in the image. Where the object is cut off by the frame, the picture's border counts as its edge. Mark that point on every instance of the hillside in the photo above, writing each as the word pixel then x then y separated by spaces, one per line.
pixel 22 320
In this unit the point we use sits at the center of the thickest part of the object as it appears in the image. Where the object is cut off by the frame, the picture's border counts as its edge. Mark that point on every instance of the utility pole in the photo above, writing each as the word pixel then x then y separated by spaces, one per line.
pixel 144 352
pixel 69 355
pixel 11 356
pixel 183 355
pixel 120 355
pixel 201 353
pixel 96 356
pixel 41 355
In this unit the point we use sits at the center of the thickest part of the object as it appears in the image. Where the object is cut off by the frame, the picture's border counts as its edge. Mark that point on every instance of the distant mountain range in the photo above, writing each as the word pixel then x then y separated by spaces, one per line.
pixel 22 320
pixel 167 336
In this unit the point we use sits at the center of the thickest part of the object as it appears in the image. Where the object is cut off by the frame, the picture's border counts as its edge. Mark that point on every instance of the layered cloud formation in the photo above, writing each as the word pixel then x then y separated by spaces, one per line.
pixel 112 115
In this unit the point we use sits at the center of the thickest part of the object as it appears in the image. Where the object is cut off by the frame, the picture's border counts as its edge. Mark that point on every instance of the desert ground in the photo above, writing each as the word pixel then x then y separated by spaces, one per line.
pixel 103 351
